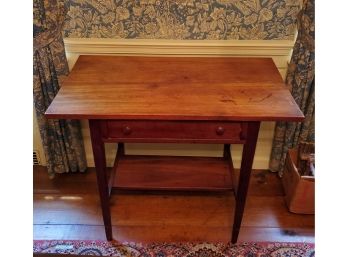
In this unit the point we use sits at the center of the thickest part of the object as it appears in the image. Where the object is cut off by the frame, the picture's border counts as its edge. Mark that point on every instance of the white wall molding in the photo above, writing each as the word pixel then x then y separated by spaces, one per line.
pixel 279 50
pixel 178 47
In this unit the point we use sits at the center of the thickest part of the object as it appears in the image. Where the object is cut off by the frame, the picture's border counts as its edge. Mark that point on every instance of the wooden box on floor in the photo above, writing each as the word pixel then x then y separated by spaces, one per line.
pixel 299 190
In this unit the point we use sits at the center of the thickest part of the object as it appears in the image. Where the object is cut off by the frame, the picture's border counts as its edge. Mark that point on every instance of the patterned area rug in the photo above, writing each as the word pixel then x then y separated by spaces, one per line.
pixel 104 248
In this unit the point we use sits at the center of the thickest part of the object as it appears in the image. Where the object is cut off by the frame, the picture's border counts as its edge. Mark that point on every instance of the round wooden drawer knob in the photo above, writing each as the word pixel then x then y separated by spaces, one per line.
pixel 127 130
pixel 220 131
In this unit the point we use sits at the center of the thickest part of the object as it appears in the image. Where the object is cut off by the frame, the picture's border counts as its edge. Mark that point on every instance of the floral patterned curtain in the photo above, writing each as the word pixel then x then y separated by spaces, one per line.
pixel 61 139
pixel 300 78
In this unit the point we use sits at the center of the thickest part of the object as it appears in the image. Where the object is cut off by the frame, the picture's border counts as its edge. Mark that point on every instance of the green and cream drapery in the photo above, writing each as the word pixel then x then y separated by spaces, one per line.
pixel 300 78
pixel 62 139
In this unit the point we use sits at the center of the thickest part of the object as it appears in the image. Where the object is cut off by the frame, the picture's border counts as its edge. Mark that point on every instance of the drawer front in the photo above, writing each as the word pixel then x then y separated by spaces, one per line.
pixel 173 131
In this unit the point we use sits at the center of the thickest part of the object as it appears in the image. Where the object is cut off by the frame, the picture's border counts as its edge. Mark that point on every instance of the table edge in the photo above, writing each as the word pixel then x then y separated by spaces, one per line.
pixel 297 118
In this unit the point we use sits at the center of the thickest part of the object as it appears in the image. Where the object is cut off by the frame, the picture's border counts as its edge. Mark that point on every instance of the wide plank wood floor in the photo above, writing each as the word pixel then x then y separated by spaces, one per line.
pixel 67 207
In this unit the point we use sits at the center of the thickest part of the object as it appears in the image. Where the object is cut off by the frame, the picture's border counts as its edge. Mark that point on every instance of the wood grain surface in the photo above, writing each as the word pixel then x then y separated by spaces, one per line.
pixel 174 88
pixel 173 131
pixel 173 172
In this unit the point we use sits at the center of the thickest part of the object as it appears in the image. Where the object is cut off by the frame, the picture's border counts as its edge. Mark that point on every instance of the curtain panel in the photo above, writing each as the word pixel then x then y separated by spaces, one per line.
pixel 62 139
pixel 300 79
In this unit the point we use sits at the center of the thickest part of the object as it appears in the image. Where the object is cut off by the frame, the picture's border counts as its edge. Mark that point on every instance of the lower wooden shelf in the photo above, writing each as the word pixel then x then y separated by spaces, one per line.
pixel 172 173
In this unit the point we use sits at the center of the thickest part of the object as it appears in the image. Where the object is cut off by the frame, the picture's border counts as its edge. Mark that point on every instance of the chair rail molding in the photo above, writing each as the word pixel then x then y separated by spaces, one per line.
pixel 177 47
pixel 279 50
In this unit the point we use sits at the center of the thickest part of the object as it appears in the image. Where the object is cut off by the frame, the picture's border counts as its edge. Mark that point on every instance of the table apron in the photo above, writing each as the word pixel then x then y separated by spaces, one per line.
pixel 149 131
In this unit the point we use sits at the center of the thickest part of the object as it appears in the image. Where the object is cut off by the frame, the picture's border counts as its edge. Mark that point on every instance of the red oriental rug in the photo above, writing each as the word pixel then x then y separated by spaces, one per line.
pixel 104 248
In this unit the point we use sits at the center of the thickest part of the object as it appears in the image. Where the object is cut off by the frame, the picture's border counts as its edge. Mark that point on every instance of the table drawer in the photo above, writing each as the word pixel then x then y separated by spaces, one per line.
pixel 173 131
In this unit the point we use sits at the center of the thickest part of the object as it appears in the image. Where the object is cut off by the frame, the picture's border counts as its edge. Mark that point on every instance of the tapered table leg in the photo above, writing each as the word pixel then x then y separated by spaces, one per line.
pixel 100 166
pixel 245 170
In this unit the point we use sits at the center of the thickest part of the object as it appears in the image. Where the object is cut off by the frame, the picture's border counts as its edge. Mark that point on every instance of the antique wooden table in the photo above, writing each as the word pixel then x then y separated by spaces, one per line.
pixel 174 100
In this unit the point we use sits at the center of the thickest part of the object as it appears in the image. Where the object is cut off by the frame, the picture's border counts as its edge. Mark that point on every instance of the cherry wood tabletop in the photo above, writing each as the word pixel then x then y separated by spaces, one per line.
pixel 174 88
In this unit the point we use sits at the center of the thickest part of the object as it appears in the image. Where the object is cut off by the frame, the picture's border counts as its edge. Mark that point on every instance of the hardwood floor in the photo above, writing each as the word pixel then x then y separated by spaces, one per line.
pixel 67 207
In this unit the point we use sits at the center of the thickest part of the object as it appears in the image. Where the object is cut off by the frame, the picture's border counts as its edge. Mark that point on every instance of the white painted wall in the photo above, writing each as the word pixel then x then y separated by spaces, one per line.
pixel 37 144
